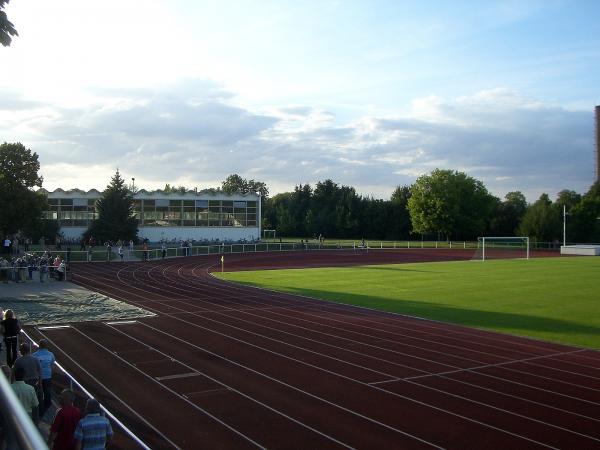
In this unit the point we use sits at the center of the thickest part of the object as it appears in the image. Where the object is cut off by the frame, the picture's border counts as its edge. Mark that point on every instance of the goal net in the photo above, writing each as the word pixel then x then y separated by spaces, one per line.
pixel 268 234
pixel 501 248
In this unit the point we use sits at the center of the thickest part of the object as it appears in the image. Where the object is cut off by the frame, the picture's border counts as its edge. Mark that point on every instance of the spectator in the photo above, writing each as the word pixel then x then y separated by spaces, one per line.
pixel 4 270
pixel 94 430
pixel 31 367
pixel 43 268
pixel 26 394
pixel 47 360
pixel 10 330
pixel 108 250
pixel 61 271
pixel 63 428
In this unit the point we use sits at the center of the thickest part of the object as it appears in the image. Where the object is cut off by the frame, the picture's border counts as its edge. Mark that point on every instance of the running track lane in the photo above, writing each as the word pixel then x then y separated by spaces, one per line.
pixel 226 366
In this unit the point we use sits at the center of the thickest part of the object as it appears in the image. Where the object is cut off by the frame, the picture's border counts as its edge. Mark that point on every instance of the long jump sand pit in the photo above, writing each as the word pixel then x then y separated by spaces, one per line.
pixel 57 302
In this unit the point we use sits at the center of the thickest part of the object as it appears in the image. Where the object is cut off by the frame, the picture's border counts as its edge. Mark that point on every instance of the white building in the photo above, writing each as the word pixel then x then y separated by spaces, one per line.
pixel 206 215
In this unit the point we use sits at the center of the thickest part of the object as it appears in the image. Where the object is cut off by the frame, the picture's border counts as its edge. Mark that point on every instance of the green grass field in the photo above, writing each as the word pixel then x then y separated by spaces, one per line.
pixel 555 299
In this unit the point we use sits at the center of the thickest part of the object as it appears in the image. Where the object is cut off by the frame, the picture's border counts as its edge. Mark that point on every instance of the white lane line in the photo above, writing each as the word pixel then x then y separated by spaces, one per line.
pixel 109 392
pixel 177 376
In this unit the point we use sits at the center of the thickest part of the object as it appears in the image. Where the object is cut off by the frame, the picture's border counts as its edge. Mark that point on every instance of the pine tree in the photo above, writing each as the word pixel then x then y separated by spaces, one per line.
pixel 115 213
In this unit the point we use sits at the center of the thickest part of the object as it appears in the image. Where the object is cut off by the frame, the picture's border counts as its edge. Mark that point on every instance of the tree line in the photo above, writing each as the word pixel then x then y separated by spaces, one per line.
pixel 444 204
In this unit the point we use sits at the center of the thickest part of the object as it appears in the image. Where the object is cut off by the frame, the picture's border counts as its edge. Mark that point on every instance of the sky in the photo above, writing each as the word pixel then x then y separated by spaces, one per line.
pixel 370 94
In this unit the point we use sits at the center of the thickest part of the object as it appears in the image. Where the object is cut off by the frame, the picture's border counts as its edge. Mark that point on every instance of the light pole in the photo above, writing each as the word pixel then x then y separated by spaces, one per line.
pixel 133 185
pixel 565 214
pixel 564 225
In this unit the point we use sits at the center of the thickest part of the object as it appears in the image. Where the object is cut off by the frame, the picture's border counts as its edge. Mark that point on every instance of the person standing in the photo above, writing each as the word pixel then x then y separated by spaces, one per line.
pixel 163 250
pixel 47 360
pixel 26 394
pixel 94 430
pixel 121 252
pixel 61 271
pixel 32 368
pixel 10 329
pixel 63 427
pixel 146 250
pixel 43 268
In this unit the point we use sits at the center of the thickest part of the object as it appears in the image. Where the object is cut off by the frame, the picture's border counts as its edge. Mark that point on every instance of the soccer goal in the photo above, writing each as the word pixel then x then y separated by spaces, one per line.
pixel 269 234
pixel 502 248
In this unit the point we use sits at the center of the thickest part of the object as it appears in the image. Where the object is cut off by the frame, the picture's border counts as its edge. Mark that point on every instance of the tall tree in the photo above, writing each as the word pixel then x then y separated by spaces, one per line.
pixel 235 183
pixel 7 29
pixel 541 221
pixel 20 206
pixel 450 203
pixel 583 223
pixel 508 214
pixel 399 228
pixel 115 213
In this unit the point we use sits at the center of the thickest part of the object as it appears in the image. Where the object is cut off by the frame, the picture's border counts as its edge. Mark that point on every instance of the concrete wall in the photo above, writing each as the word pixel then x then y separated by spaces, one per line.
pixel 583 250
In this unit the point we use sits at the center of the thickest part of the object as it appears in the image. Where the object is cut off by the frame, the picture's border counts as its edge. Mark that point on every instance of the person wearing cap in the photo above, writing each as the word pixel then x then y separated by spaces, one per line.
pixel 94 430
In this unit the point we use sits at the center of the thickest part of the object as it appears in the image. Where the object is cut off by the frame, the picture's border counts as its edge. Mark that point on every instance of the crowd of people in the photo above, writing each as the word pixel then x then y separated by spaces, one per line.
pixel 21 268
pixel 30 374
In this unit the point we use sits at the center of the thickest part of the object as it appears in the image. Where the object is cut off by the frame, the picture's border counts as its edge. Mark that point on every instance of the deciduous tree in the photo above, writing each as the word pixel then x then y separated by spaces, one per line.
pixel 21 206
pixel 450 203
pixel 541 221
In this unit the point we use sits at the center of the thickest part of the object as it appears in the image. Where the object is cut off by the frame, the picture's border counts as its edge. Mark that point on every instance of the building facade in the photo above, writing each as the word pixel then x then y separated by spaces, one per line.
pixel 202 216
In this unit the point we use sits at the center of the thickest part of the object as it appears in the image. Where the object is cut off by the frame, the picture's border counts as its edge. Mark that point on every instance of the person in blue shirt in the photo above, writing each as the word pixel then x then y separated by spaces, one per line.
pixel 94 430
pixel 47 360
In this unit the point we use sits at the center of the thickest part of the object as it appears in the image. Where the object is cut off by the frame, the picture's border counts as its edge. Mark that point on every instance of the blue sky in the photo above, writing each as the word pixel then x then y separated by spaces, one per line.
pixel 370 94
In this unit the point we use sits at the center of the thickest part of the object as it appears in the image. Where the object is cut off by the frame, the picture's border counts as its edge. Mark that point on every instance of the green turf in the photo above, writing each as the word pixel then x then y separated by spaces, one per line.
pixel 556 299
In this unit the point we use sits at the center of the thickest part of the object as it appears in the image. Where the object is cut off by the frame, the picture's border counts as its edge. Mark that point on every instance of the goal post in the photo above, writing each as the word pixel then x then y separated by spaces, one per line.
pixel 502 247
pixel 269 234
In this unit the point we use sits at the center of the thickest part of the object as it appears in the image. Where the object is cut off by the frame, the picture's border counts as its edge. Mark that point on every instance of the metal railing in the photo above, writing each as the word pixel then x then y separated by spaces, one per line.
pixel 16 420
pixel 75 386
pixel 153 253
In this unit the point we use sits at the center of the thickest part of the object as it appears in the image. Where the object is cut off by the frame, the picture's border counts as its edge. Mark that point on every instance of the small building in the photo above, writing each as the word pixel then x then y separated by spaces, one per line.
pixel 202 216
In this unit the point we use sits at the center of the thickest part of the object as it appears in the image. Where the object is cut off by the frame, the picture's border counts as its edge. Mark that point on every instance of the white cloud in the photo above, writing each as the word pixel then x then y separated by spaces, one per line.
pixel 193 133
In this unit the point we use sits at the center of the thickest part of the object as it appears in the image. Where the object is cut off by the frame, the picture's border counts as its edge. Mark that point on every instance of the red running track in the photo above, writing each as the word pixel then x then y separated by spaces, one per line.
pixel 228 366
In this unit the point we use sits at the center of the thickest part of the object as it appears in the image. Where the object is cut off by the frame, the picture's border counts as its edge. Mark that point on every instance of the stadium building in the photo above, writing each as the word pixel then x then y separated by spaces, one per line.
pixel 201 216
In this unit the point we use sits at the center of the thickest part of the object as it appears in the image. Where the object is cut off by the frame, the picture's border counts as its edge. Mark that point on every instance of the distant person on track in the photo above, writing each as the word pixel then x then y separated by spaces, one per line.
pixel 121 255
pixel 47 360
pixel 65 422
pixel 130 247
pixel 163 250
pixel 108 250
pixel 94 430
pixel 10 329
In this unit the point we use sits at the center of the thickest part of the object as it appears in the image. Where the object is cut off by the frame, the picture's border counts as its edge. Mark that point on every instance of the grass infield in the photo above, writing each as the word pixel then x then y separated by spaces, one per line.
pixel 555 299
